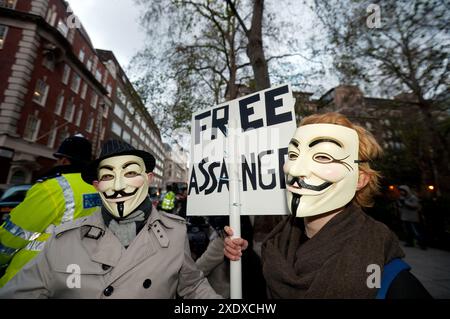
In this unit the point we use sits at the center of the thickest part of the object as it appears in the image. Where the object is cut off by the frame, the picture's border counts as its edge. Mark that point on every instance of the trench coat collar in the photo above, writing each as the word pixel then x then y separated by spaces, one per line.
pixel 106 250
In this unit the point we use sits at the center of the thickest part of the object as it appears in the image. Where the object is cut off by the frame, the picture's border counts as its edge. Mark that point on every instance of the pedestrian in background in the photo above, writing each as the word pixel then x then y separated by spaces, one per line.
pixel 168 204
pixel 57 198
pixel 409 210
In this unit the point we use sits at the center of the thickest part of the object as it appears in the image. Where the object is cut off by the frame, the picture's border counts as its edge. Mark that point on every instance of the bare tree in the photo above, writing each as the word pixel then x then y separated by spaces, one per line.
pixel 406 50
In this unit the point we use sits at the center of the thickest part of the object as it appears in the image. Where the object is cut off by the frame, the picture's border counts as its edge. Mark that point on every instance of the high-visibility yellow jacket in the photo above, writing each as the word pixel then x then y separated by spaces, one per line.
pixel 168 201
pixel 48 203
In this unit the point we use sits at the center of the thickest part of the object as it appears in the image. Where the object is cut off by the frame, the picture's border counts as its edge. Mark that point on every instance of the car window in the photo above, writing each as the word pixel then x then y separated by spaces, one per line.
pixel 16 196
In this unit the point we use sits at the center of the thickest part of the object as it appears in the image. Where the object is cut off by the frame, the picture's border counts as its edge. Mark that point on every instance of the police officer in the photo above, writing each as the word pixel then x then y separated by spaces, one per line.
pixel 168 204
pixel 126 249
pixel 59 197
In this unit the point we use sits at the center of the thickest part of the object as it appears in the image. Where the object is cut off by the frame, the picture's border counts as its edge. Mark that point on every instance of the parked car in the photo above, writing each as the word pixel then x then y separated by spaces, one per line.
pixel 12 197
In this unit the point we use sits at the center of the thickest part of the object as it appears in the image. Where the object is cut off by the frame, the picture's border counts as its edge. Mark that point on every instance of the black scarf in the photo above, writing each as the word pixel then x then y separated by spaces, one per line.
pixel 145 206
pixel 333 263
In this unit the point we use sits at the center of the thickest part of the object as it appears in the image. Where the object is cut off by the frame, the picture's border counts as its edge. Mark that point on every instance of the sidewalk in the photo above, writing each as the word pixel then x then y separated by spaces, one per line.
pixel 432 268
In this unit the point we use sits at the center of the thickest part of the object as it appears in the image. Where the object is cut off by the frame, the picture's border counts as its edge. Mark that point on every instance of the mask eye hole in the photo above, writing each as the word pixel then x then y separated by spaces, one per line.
pixel 292 156
pixel 107 177
pixel 323 158
pixel 131 174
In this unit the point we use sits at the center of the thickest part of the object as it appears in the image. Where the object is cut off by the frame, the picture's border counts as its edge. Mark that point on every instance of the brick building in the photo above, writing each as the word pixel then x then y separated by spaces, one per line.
pixel 53 84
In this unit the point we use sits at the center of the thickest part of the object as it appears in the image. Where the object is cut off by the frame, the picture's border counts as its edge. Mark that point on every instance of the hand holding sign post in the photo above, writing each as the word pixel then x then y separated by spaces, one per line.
pixel 238 151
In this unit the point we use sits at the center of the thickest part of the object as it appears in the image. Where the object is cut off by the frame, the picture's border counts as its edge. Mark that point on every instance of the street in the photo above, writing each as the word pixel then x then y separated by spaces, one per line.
pixel 432 268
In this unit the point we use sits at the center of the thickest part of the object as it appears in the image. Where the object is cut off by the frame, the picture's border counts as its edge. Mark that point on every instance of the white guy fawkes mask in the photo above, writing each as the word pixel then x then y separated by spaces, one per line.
pixel 122 184
pixel 322 169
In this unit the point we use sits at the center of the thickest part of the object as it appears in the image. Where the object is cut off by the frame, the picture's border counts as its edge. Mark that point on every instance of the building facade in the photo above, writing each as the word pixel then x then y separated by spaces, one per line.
pixel 53 84
pixel 175 166
pixel 130 120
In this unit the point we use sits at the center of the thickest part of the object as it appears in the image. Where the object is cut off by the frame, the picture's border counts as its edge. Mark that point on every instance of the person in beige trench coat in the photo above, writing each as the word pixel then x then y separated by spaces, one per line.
pixel 127 249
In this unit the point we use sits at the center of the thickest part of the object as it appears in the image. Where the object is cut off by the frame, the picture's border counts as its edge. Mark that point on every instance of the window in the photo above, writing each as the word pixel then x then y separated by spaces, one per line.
pixel 128 121
pixel 121 96
pixel 76 82
pixel 89 65
pixel 136 129
pixel 126 136
pixel 79 115
pixel 109 89
pixel 32 128
pixel 3 32
pixel 64 134
pixel 98 75
pixel 62 27
pixel 81 55
pixel 94 100
pixel 66 74
pixel 70 111
pixel 90 123
pixel 84 91
pixel 118 111
pixel 52 135
pixel 59 104
pixel 10 4
pixel 40 92
pixel 116 128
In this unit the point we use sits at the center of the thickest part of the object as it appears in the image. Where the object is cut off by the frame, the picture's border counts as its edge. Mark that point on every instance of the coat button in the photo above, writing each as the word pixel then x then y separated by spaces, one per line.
pixel 108 291
pixel 147 283
pixel 105 267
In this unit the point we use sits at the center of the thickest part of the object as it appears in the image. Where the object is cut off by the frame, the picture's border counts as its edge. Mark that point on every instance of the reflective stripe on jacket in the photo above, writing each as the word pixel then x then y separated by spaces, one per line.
pixel 47 204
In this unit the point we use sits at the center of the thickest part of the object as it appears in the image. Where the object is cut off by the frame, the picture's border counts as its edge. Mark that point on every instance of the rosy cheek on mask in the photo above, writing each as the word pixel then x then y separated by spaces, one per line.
pixel 136 181
pixel 331 172
pixel 103 186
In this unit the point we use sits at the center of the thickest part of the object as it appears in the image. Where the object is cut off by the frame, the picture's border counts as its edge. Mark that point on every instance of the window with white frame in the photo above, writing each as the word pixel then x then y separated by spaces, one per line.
pixel 98 75
pixel 70 111
pixel 32 128
pixel 94 100
pixel 89 64
pixel 90 123
pixel 66 74
pixel 116 128
pixel 136 129
pixel 128 121
pixel 126 136
pixel 52 136
pixel 81 55
pixel 84 91
pixel 76 83
pixel 59 104
pixel 10 4
pixel 121 96
pixel 41 92
pixel 79 116
pixel 63 28
pixel 118 111
pixel 3 32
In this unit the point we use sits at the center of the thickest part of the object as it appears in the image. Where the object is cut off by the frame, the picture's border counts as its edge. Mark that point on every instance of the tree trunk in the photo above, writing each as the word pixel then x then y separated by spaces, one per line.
pixel 255 50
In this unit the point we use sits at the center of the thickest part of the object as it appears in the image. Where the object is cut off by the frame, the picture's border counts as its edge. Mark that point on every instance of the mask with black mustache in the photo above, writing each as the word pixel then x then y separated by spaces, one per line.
pixel 122 184
pixel 322 169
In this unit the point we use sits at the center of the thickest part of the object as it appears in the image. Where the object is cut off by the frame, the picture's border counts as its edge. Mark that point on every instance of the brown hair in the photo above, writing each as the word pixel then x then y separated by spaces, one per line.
pixel 369 149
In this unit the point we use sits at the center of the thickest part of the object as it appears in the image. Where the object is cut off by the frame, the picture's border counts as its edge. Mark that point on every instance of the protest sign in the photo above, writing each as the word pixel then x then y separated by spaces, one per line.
pixel 250 135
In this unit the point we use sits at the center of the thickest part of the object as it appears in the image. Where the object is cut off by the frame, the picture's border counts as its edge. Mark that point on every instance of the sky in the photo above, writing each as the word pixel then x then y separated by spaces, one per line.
pixel 111 25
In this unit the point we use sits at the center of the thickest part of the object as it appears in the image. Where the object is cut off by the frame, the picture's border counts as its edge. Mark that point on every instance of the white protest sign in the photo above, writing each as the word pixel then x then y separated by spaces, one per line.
pixel 260 127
